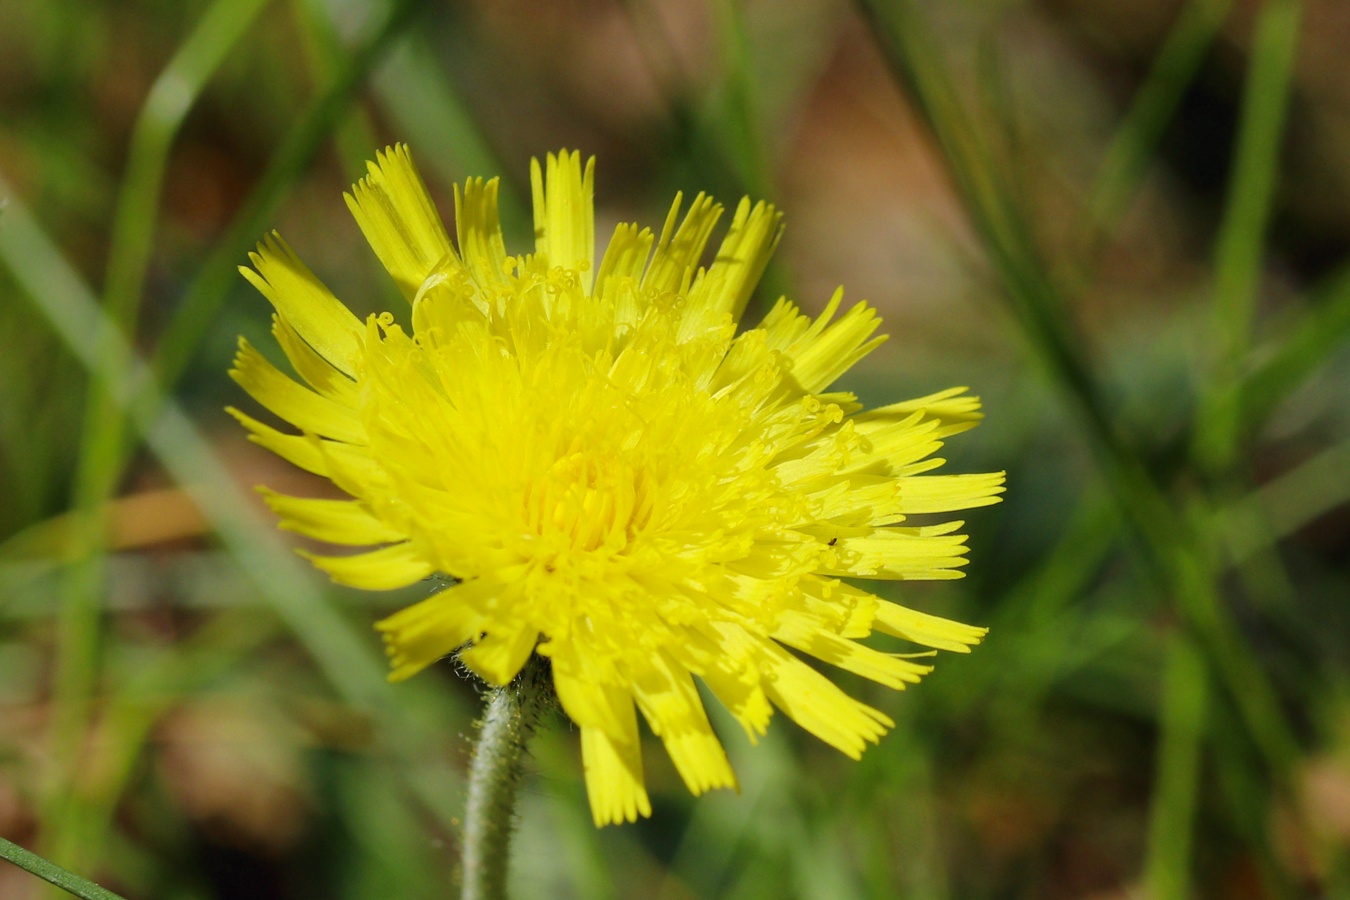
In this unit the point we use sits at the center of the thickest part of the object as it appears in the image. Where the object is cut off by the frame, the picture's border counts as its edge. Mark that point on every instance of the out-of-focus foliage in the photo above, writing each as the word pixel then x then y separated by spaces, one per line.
pixel 1125 225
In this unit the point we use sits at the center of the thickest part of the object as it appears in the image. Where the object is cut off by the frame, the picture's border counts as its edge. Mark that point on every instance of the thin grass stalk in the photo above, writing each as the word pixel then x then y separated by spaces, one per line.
pixel 1239 256
pixel 1286 503
pixel 48 871
pixel 427 107
pixel 354 135
pixel 1320 332
pixel 1176 557
pixel 105 449
pixel 1152 108
pixel 744 131
pixel 347 661
pixel 170 99
pixel 1172 810
pixel 203 298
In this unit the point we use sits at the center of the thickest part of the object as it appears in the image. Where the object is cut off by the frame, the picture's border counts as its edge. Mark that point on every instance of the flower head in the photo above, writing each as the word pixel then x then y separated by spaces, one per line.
pixel 610 476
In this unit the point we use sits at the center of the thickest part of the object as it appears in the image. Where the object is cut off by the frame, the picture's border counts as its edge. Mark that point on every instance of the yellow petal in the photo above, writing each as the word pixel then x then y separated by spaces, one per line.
pixel 499 655
pixel 303 300
pixel 886 500
pixel 930 552
pixel 726 286
pixel 893 441
pixel 334 521
pixel 841 608
pixel 418 635
pixel 581 692
pixel 564 214
pixel 948 493
pixel 395 566
pixel 813 702
pixel 479 229
pixel 827 351
pixel 613 767
pixel 678 250
pixel 351 468
pixel 395 213
pixel 925 629
pixel 625 256
pixel 731 672
pixel 805 634
pixel 296 449
pixel 309 365
pixel 671 705
pixel 953 409
pixel 298 405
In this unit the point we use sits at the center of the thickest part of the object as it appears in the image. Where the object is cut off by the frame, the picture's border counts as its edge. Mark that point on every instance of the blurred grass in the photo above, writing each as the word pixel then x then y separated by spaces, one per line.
pixel 101 453
pixel 1160 706
pixel 1127 157
pixel 1238 253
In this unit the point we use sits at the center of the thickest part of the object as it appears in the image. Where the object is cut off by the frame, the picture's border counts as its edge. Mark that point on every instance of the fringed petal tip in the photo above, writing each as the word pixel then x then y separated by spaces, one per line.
pixel 926 629
pixel 395 212
pixel 613 772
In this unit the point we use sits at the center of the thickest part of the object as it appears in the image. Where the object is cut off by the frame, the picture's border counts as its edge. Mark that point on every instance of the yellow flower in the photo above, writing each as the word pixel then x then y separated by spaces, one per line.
pixel 610 475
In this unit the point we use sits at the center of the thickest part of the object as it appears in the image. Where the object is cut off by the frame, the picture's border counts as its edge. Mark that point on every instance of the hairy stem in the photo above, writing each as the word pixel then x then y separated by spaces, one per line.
pixel 494 775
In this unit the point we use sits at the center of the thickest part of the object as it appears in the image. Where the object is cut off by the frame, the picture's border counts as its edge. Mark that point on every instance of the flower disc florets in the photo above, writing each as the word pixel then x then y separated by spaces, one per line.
pixel 612 477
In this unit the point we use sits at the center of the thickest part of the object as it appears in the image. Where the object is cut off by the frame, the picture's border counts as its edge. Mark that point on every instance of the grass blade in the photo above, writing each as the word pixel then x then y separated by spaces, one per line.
pixel 1177 556
pixel 1238 253
pixel 172 96
pixel 49 871
pixel 1154 105
pixel 1172 816
pixel 202 300
pixel 1320 332
pixel 66 303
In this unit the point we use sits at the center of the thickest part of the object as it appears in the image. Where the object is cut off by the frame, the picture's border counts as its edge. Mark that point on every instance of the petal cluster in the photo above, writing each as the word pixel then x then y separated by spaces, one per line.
pixel 608 474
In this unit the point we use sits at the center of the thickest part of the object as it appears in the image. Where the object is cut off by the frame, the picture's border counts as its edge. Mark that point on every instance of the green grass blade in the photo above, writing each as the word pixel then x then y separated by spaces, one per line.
pixel 170 99
pixel 1286 503
pixel 1320 332
pixel 743 134
pixel 202 300
pixel 1172 814
pixel 428 109
pixel 348 661
pixel 48 871
pixel 354 136
pixel 1154 104
pixel 1176 554
pixel 65 302
pixel 1238 253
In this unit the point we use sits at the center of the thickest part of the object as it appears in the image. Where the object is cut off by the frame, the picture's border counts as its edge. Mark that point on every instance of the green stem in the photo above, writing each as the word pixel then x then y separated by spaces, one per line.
pixel 1172 814
pixel 498 762
pixel 49 871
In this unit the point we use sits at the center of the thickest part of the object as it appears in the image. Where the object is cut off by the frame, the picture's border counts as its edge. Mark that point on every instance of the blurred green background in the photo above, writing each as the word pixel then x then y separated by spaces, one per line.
pixel 1126 225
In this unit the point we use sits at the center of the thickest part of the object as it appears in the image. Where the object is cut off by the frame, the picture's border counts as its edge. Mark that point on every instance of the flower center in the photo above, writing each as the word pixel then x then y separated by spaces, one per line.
pixel 586 502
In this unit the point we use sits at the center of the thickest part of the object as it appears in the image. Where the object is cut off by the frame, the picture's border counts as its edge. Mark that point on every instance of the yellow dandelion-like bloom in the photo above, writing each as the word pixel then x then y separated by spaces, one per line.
pixel 611 476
